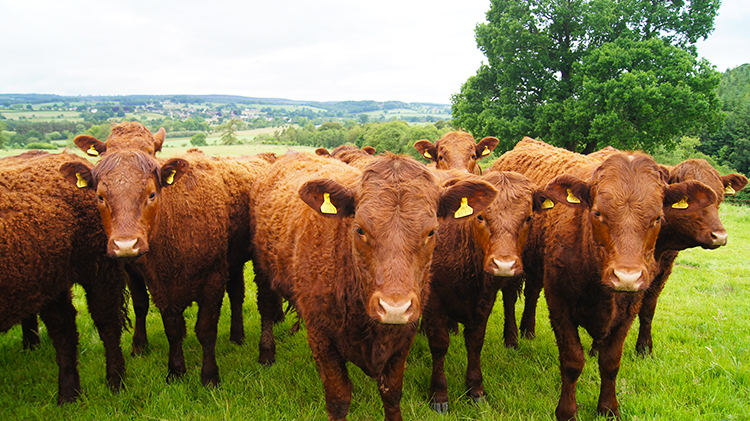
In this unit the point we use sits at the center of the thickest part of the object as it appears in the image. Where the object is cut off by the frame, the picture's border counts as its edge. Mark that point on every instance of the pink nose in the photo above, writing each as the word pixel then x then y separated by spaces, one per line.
pixel 628 280
pixel 394 313
pixel 125 248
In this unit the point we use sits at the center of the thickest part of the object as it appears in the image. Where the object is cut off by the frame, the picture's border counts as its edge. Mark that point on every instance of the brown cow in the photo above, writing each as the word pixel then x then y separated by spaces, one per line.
pixel 474 259
pixel 133 135
pixel 170 220
pixel 349 154
pixel 353 258
pixel 457 150
pixel 596 245
pixel 50 238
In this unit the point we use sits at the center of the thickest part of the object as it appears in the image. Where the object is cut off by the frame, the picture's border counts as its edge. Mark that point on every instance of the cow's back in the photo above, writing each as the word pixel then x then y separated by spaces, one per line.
pixel 541 162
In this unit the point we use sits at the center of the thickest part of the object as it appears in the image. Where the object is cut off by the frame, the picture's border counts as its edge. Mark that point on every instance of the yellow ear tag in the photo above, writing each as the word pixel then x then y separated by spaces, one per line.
pixel 170 179
pixel 92 151
pixel 682 204
pixel 548 204
pixel 464 209
pixel 427 155
pixel 327 206
pixel 571 198
pixel 729 191
pixel 486 151
pixel 80 182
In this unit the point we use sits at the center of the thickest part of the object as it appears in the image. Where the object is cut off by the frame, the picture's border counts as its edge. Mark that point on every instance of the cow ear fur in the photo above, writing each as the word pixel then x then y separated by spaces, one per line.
pixel 91 145
pixel 369 149
pixel 159 137
pixel 328 197
pixel 426 149
pixel 486 146
pixel 688 196
pixel 737 182
pixel 78 174
pixel 173 170
pixel 465 198
pixel 568 190
pixel 322 152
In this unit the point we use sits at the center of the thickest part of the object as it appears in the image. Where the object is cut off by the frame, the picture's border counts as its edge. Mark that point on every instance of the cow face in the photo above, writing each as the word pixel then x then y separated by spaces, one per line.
pixel 621 210
pixel 457 150
pixel 394 213
pixel 128 186
pixel 687 227
pixel 501 229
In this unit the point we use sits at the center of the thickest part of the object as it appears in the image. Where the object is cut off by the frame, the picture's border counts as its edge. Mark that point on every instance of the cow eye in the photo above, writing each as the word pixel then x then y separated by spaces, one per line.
pixel 360 231
pixel 152 196
pixel 431 233
pixel 440 158
pixel 100 198
pixel 597 213
pixel 528 218
pixel 480 217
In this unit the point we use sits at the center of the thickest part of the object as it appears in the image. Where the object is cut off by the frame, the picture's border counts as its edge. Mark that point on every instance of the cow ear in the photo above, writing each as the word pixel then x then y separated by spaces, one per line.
pixel 541 201
pixel 369 149
pixel 465 198
pixel 486 146
pixel 322 152
pixel 172 170
pixel 568 190
pixel 426 149
pixel 733 183
pixel 78 174
pixel 328 197
pixel 159 137
pixel 91 145
pixel 688 196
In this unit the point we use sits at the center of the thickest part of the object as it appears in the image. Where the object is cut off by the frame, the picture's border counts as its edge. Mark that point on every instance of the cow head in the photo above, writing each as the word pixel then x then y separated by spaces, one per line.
pixel 128 184
pixel 457 150
pixel 394 211
pixel 127 135
pixel 501 229
pixel 621 208
pixel 687 227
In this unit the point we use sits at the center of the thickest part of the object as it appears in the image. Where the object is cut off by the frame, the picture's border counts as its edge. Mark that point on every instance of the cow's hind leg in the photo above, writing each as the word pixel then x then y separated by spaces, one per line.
pixel 30 329
pixel 236 292
pixel 205 329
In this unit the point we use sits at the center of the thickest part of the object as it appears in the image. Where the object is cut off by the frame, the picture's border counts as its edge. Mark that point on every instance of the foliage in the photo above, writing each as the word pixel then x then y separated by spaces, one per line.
pixel 587 74
pixel 687 148
pixel 199 139
pixel 229 132
pixel 2 135
pixel 731 143
pixel 41 145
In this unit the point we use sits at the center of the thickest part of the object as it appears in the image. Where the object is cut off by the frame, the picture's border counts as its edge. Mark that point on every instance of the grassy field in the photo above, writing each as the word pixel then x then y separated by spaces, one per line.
pixel 700 369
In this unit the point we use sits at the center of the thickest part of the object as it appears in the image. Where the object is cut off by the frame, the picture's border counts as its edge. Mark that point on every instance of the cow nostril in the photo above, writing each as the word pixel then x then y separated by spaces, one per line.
pixel 395 314
pixel 628 279
pixel 719 238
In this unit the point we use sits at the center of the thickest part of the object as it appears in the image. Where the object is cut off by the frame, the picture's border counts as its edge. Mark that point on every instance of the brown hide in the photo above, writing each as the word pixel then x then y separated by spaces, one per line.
pixel 357 276
pixel 350 154
pixel 473 259
pixel 50 238
pixel 170 220
pixel 126 135
pixel 457 150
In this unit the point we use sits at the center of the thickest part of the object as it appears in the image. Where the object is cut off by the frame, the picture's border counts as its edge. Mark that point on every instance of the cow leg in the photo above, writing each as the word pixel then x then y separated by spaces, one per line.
pixel 139 296
pixel 644 344
pixel 572 361
pixel 510 329
pixel 610 354
pixel 332 370
pixel 108 313
pixel 206 330
pixel 438 336
pixel 271 311
pixel 531 293
pixel 174 328
pixel 236 292
pixel 474 339
pixel 30 330
pixel 60 319
pixel 390 385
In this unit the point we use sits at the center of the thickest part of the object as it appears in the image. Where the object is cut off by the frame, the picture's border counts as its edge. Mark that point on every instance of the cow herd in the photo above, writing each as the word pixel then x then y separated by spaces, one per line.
pixel 368 250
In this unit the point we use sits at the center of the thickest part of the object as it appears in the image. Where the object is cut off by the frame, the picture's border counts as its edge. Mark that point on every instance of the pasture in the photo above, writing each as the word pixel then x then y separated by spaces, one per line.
pixel 699 370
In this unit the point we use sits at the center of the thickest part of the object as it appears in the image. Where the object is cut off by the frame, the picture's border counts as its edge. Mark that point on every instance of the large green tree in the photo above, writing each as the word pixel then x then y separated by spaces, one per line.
pixel 582 74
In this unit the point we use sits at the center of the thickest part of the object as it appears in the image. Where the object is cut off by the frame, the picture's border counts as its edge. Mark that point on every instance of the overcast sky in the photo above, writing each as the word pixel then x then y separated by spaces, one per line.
pixel 321 50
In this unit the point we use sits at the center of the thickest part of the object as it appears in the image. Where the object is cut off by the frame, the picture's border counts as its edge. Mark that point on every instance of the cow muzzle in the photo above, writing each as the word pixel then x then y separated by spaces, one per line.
pixel 628 279
pixel 395 310
pixel 504 266
pixel 129 247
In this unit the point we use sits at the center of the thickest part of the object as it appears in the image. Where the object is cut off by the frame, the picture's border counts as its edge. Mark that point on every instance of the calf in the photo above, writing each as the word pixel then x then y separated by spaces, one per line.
pixel 474 259
pixel 353 257
pixel 170 221
pixel 597 247
pixel 50 239
pixel 457 150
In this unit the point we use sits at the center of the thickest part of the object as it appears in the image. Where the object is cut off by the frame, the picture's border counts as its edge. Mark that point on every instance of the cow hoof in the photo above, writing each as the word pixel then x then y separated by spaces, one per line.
pixel 237 341
pixel 440 408
pixel 481 400
pixel 173 377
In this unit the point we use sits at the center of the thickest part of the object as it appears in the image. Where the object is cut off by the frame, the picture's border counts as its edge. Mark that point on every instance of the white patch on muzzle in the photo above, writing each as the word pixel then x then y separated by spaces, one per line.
pixel 394 315
pixel 125 248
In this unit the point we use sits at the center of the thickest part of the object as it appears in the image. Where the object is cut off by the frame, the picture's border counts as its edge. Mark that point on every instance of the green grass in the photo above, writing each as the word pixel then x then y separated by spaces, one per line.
pixel 699 370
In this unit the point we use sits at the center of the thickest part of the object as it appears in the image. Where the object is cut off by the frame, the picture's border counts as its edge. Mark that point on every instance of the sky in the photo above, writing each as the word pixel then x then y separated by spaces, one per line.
pixel 318 50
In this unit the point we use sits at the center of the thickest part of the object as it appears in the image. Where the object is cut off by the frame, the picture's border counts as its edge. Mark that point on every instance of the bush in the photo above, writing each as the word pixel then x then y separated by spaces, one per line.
pixel 40 145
